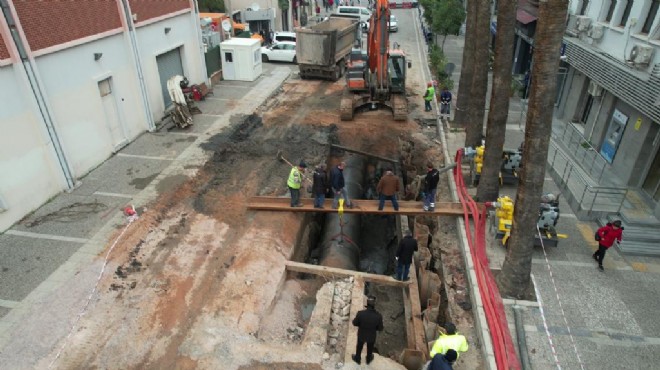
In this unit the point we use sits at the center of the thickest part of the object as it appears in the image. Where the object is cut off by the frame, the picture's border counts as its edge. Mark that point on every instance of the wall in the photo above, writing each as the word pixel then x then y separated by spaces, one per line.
pixel 263 4
pixel 152 41
pixel 74 98
pixel 618 41
pixel 30 172
pixel 573 106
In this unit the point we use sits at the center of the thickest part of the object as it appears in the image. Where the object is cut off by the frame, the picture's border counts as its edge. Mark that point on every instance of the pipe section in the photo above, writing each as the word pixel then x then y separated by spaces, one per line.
pixel 340 234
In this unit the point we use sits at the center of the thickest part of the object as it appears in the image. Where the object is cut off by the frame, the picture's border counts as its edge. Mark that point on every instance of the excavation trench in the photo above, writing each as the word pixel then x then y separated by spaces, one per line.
pixel 365 243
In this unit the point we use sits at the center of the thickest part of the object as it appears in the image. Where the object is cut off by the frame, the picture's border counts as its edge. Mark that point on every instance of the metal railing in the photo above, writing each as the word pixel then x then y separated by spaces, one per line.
pixel 575 185
pixel 585 155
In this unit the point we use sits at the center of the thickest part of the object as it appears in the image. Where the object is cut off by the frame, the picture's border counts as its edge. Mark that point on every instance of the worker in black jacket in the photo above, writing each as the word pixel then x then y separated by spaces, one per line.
pixel 404 256
pixel 431 187
pixel 319 185
pixel 368 321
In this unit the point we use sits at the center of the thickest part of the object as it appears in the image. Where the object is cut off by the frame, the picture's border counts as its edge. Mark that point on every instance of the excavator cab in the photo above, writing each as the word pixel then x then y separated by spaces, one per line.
pixel 397 67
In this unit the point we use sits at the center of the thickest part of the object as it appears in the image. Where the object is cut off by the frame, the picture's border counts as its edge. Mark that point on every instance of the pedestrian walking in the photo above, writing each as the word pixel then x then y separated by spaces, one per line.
pixel 404 256
pixel 319 185
pixel 295 181
pixel 445 103
pixel 428 96
pixel 338 186
pixel 606 237
pixel 443 362
pixel 387 188
pixel 369 322
pixel 331 3
pixel 451 340
pixel 430 187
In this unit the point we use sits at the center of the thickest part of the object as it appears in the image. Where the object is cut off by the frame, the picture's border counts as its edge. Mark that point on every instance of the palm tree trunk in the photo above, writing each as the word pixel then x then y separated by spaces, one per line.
pixel 465 82
pixel 499 101
pixel 515 275
pixel 477 104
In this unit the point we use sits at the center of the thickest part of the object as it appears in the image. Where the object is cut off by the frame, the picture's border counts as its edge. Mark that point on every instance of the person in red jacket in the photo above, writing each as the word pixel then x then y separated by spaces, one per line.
pixel 608 234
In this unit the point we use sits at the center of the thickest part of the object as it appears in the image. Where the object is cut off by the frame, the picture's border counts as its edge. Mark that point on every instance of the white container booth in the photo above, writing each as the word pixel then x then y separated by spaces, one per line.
pixel 241 59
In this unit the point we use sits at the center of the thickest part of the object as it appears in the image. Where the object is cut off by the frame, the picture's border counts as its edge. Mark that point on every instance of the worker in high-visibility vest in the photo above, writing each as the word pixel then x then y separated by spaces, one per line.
pixel 294 182
pixel 451 340
pixel 429 95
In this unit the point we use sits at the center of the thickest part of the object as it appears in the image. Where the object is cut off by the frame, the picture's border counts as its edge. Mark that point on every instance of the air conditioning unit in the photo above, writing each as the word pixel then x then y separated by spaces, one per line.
pixel 571 25
pixel 641 54
pixel 595 32
pixel 582 23
pixel 595 90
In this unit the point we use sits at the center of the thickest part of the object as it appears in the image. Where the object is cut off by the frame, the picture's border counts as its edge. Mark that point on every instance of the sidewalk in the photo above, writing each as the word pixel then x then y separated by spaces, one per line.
pixel 46 250
pixel 596 320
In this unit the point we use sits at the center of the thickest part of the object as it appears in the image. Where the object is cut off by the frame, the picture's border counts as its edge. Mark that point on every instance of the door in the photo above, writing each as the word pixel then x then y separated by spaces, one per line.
pixel 169 64
pixel 111 113
pixel 229 69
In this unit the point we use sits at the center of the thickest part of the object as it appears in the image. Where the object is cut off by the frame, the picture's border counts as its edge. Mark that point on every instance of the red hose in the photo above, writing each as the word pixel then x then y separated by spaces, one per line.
pixel 505 354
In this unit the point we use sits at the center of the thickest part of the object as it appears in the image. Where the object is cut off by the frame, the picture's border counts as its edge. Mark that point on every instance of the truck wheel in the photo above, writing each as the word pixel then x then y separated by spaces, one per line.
pixel 342 68
pixel 295 60
pixel 337 73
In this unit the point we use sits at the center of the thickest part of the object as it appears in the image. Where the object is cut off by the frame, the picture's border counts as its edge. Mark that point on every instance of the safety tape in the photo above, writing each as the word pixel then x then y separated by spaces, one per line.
pixel 82 312
pixel 561 306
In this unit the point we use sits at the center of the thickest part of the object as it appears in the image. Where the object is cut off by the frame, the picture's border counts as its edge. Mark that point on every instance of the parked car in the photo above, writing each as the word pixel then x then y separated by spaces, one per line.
pixel 392 24
pixel 284 36
pixel 284 51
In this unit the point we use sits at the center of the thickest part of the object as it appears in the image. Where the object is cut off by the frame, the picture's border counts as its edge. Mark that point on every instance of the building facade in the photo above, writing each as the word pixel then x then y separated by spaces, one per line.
pixel 80 80
pixel 611 91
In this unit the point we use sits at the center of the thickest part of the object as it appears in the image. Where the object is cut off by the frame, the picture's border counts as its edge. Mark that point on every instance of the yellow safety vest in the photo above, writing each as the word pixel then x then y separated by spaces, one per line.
pixel 295 178
pixel 430 93
pixel 444 343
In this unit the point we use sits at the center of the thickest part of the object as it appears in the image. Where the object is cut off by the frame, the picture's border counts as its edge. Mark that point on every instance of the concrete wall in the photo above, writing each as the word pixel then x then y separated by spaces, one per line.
pixel 29 168
pixel 263 4
pixel 153 41
pixel 573 105
pixel 73 95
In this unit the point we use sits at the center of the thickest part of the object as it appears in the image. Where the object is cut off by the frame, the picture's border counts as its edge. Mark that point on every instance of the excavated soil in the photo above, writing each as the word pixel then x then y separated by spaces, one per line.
pixel 195 279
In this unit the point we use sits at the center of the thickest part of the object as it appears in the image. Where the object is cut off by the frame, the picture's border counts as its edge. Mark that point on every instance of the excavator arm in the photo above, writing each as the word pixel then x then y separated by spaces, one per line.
pixel 378 45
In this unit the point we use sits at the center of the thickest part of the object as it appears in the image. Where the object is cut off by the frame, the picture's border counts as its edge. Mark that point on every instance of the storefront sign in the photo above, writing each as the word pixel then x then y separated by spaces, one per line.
pixel 613 137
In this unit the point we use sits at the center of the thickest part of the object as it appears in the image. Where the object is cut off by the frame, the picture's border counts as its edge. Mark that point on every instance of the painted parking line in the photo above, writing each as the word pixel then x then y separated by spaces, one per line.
pixel 116 195
pixel 144 157
pixel 46 236
pixel 219 99
pixel 239 86
pixel 8 304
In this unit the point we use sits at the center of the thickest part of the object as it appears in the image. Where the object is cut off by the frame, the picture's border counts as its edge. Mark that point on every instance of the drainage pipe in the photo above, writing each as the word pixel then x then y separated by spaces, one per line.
pixel 341 233
pixel 522 340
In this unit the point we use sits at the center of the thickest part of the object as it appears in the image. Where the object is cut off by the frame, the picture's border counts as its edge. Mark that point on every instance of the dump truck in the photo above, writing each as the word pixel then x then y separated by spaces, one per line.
pixel 324 49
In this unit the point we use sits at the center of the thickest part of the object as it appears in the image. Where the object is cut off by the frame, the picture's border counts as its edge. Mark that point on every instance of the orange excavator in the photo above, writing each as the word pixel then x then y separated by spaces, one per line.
pixel 376 78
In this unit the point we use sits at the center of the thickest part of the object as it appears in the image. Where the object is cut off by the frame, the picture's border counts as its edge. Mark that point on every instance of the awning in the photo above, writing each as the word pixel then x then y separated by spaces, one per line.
pixel 524 17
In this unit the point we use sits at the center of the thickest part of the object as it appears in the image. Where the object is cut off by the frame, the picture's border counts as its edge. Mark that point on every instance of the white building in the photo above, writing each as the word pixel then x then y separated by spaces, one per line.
pixel 80 79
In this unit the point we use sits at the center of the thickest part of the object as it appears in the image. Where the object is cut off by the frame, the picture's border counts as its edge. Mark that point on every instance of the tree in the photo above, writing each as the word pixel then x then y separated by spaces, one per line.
pixel 499 101
pixel 215 6
pixel 515 275
pixel 465 81
pixel 479 87
pixel 448 17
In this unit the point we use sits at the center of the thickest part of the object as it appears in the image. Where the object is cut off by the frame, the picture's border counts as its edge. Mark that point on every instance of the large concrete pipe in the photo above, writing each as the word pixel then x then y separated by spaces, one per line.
pixel 340 235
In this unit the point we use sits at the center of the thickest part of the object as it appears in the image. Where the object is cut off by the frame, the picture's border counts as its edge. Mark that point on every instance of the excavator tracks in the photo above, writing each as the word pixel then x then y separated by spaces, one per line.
pixel 400 107
pixel 346 106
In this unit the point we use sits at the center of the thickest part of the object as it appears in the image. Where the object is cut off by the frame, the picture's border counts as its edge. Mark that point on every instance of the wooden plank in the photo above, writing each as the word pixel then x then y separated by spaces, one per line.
pixel 357 304
pixel 342 273
pixel 361 206
pixel 417 322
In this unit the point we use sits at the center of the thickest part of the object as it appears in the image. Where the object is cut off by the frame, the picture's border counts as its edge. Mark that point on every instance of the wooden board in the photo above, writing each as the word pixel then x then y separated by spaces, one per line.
pixel 360 207
pixel 341 273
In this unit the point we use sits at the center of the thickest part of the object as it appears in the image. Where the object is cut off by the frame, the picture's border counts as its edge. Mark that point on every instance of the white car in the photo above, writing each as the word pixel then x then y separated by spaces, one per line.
pixel 284 51
pixel 392 24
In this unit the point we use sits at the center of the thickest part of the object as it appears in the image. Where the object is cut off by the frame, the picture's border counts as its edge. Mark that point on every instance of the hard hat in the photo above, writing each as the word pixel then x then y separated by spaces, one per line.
pixel 371 301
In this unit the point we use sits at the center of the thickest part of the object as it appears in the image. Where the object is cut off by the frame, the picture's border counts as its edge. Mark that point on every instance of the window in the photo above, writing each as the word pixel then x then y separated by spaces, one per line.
pixel 650 17
pixel 610 11
pixel 583 8
pixel 229 57
pixel 104 87
pixel 626 13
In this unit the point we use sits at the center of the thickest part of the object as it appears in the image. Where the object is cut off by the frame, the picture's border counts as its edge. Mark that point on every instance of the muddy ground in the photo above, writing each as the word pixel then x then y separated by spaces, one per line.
pixel 196 278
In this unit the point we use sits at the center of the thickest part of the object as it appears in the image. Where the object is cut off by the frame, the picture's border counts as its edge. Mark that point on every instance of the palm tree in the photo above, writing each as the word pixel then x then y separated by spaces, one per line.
pixel 499 101
pixel 477 103
pixel 515 275
pixel 465 81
